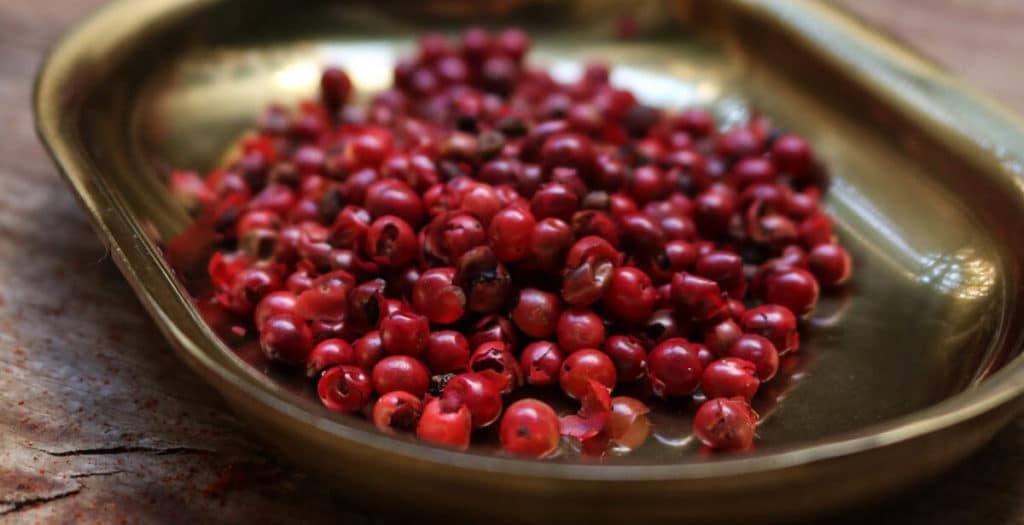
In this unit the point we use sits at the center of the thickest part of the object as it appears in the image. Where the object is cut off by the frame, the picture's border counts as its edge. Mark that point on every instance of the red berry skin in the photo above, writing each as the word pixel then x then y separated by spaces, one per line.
pixel 713 210
pixel 248 287
pixel 830 263
pixel 582 366
pixel 793 155
pixel 705 356
pixel 639 234
pixel 696 298
pixel 570 150
pixel 816 229
pixel 720 337
pixel 447 352
pixel 537 312
pixel 554 200
pixel 631 296
pixel 344 389
pixel 476 392
pixel 286 338
pixel 551 240
pixel 452 234
pixel 510 232
pixel 735 309
pixel 495 358
pixel 730 377
pixel 367 350
pixel 401 372
pixel 726 424
pixel 405 333
pixel 445 424
pixel 726 269
pixel 280 302
pixel 530 428
pixel 794 288
pixel 391 242
pixel 328 353
pixel 759 351
pixel 589 267
pixel 647 183
pixel 579 328
pixel 335 87
pixel 493 328
pixel 482 202
pixel 674 368
pixel 753 170
pixel 629 357
pixel 541 363
pixel 327 298
pixel 435 296
pixel 484 279
pixel 775 323
pixel 397 410
pixel 394 197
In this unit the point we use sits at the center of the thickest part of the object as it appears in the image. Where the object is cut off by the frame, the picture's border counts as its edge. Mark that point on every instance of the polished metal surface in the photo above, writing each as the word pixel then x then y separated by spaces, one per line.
pixel 909 368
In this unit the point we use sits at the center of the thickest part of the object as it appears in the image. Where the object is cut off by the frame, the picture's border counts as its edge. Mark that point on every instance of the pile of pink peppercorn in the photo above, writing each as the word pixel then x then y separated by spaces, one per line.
pixel 480 228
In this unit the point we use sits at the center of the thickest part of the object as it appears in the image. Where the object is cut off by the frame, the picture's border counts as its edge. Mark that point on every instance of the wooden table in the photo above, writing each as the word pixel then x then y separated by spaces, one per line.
pixel 101 423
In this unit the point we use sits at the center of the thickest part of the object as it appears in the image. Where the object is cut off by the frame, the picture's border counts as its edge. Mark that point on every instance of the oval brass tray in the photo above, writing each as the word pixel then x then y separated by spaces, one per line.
pixel 914 366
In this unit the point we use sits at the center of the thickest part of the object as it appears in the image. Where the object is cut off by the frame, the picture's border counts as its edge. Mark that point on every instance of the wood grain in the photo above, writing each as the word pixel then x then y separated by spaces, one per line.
pixel 101 424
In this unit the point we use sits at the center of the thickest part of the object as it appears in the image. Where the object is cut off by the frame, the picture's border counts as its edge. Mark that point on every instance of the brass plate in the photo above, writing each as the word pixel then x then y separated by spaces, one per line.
pixel 916 365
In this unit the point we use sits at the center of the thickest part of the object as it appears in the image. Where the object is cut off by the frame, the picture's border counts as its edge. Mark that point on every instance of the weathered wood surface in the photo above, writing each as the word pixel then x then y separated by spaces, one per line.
pixel 99 423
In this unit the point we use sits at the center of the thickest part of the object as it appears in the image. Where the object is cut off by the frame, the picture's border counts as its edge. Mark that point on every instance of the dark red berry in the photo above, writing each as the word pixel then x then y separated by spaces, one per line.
pixel 391 242
pixel 730 377
pixel 394 197
pixel 493 328
pixel 405 333
pixel 509 233
pixel 447 352
pixel 344 389
pixel 726 269
pixel 629 357
pixel 536 312
pixel 400 372
pixel 793 155
pixel 280 302
pixel 367 350
pixel 696 298
pixel 630 296
pixel 285 338
pixel 328 353
pixel 794 288
pixel 483 279
pixel 476 392
pixel 397 410
pixel 435 296
pixel 530 428
pixel 830 264
pixel 759 351
pixel 495 358
pixel 555 200
pixel 589 268
pixel 445 424
pixel 582 366
pixel 725 424
pixel 753 170
pixel 720 336
pixel 579 328
pixel 674 368
pixel 541 363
